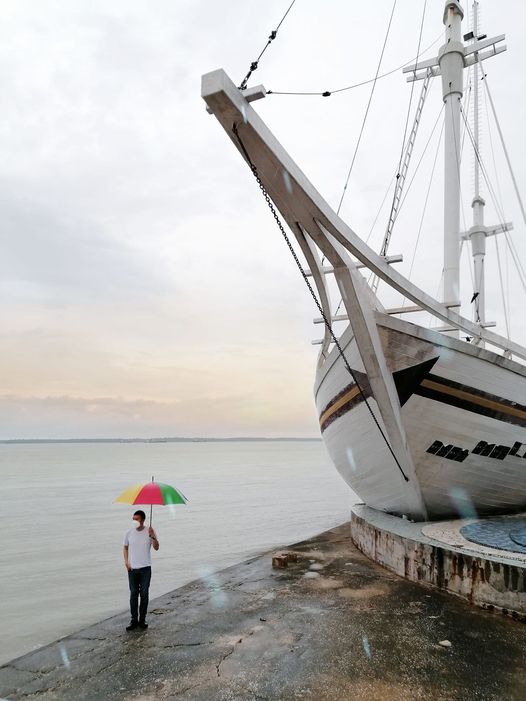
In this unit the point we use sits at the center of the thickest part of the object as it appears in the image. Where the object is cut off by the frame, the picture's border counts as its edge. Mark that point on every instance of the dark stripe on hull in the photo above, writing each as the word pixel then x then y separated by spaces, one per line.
pixel 438 389
pixel 471 399
pixel 349 397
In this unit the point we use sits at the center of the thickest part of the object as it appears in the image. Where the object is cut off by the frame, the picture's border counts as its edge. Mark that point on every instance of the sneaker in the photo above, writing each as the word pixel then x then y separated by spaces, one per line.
pixel 143 625
pixel 133 625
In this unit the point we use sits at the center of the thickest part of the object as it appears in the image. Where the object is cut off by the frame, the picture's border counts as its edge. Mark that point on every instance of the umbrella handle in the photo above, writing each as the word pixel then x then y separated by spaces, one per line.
pixel 151 507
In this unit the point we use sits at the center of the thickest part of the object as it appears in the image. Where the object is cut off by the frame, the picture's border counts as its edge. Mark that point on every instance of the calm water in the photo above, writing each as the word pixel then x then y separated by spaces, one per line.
pixel 61 559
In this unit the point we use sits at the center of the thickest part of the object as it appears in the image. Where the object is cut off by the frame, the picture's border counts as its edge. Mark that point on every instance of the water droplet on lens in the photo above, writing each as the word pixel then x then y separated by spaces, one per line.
pixel 286 180
pixel 64 656
pixel 462 502
pixel 366 647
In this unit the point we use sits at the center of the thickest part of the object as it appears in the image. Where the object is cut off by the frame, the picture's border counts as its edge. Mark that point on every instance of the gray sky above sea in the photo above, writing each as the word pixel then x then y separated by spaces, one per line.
pixel 145 287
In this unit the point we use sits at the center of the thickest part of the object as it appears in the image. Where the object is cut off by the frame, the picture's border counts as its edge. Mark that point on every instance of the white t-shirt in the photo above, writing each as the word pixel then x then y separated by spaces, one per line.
pixel 139 545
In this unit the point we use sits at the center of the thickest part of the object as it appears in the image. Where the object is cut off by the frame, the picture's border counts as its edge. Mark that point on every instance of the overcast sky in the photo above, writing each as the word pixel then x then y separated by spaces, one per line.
pixel 145 288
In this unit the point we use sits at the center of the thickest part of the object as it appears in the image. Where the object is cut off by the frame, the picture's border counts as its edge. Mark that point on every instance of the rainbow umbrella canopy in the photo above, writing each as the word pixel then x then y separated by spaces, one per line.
pixel 151 493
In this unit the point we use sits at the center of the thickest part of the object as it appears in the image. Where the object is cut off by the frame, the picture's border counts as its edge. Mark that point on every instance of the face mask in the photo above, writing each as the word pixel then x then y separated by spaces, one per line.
pixel 135 524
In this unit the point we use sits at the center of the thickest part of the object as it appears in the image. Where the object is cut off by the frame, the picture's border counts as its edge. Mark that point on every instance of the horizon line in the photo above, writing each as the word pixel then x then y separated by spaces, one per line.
pixel 160 439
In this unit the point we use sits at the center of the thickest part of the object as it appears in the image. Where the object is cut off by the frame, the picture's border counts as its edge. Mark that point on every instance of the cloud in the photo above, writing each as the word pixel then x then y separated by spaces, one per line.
pixel 112 417
pixel 58 258
pixel 139 262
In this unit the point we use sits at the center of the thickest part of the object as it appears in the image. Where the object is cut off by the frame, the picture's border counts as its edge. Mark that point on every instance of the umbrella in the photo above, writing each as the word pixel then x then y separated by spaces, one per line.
pixel 152 493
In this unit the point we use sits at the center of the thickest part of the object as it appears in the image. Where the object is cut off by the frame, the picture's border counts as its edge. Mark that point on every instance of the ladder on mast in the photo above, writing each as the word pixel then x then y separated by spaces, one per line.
pixel 401 176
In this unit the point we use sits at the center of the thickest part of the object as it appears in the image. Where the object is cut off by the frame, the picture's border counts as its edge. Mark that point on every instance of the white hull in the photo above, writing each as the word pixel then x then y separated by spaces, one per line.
pixel 482 384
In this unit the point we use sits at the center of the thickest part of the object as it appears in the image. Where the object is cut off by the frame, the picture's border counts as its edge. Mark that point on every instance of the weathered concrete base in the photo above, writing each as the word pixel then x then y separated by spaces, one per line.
pixel 490 578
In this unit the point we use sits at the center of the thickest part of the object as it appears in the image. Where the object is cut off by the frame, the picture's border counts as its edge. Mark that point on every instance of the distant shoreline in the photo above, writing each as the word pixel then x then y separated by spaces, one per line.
pixel 240 439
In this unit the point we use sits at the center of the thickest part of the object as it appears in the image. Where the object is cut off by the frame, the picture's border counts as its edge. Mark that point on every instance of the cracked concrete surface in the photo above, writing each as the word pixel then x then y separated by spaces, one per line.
pixel 355 632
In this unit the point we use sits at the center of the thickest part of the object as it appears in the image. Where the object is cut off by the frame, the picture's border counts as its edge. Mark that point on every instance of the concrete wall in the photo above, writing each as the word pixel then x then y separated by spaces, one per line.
pixel 486 583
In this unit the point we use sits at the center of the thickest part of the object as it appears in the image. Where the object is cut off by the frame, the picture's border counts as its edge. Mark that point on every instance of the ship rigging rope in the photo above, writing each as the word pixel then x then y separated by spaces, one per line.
pixel 424 151
pixel 475 284
pixel 328 93
pixel 500 213
pixel 427 194
pixel 425 204
pixel 509 240
pixel 412 178
pixel 421 158
pixel 415 173
pixel 504 305
pixel 380 209
pixel 499 192
pixel 517 192
pixel 367 108
pixel 389 231
pixel 327 323
pixel 467 99
pixel 255 64
pixel 495 171
pixel 516 259
pixel 502 221
pixel 497 204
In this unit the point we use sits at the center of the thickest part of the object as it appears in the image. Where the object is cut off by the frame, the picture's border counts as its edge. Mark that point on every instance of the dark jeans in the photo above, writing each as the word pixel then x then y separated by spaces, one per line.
pixel 139 580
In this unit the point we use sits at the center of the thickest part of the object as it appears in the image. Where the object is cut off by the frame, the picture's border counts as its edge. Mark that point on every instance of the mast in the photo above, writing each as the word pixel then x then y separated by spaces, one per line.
pixel 451 62
pixel 479 232
pixel 452 58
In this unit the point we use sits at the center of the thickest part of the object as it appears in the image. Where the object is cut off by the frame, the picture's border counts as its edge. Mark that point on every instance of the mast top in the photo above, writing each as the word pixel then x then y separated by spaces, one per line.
pixel 453 5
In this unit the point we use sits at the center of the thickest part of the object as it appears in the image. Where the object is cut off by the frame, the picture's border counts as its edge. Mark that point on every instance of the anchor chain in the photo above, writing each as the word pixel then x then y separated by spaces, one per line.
pixel 327 323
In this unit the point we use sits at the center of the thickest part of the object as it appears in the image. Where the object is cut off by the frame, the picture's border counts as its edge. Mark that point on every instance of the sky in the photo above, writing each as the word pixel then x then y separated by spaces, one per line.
pixel 145 288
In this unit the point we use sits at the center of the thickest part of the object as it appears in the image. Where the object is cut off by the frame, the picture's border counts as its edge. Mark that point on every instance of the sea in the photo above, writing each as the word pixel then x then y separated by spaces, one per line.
pixel 61 559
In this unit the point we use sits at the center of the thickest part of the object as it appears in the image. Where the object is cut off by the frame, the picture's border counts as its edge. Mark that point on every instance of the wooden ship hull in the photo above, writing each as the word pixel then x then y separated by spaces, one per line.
pixel 418 422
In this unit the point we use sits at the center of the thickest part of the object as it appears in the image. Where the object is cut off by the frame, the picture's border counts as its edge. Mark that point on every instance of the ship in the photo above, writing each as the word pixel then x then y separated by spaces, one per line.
pixel 423 423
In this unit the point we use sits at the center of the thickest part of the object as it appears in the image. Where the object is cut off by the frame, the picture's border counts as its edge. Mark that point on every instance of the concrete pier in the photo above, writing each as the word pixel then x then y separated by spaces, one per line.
pixel 333 625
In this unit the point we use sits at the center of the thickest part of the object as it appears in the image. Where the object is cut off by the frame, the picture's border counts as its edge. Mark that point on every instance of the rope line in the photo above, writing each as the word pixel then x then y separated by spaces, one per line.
pixel 516 259
pixel 498 206
pixel 328 93
pixel 327 323
pixel 402 150
pixel 421 158
pixel 380 209
pixel 255 64
pixel 367 109
pixel 425 203
pixel 516 187
pixel 498 209
pixel 504 306
pixel 406 192
pixel 497 180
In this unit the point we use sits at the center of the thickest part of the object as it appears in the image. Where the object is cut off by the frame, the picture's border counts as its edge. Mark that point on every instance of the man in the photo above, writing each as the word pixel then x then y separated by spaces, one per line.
pixel 137 545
